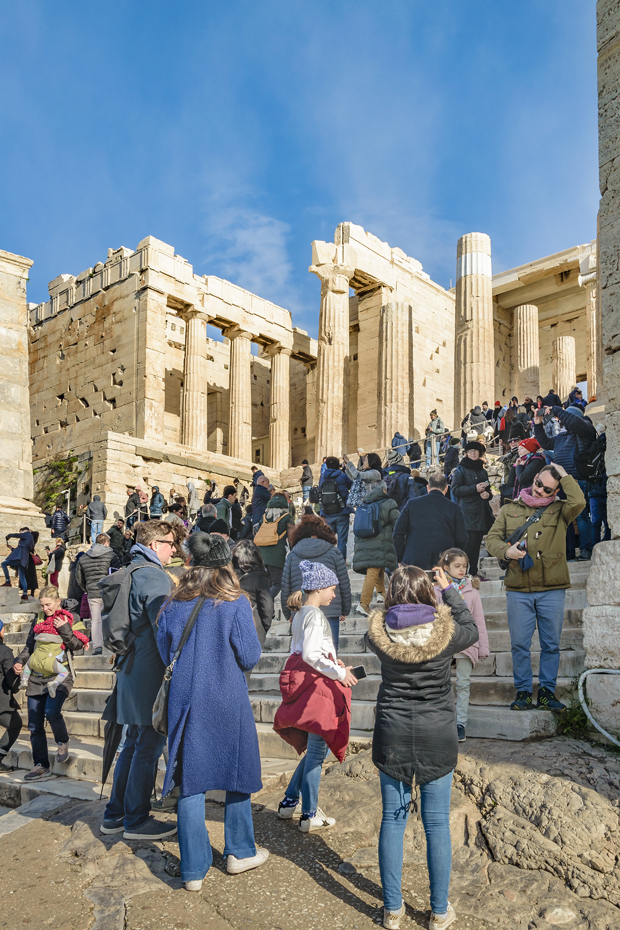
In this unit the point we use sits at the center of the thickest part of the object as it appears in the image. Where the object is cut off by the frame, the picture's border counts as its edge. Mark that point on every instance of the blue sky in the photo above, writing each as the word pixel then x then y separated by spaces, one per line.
pixel 241 131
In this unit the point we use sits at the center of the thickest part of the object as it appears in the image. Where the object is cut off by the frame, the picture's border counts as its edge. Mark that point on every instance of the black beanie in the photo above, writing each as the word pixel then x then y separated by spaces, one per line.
pixel 209 550
pixel 220 526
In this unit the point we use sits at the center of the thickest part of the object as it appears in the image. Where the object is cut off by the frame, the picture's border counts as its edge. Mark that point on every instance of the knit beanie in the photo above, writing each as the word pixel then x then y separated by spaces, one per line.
pixel 531 444
pixel 576 411
pixel 220 526
pixel 210 551
pixel 315 576
pixel 394 457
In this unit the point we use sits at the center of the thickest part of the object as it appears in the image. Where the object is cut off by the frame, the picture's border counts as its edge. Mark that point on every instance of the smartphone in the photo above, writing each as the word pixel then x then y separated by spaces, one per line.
pixel 359 671
pixel 522 545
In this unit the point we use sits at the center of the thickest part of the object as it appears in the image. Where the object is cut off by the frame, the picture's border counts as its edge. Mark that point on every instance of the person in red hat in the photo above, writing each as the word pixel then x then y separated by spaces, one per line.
pixel 530 460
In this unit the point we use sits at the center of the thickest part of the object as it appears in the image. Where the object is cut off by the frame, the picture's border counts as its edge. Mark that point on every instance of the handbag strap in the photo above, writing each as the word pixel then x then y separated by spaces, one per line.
pixel 189 626
pixel 521 530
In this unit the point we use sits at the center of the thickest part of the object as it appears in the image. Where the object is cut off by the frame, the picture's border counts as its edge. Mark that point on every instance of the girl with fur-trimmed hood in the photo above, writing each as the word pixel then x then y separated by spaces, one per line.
pixel 415 735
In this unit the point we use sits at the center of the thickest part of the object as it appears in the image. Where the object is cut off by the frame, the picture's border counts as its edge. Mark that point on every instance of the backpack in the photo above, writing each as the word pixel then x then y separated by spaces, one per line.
pixel 115 618
pixel 267 533
pixel 367 522
pixel 397 485
pixel 331 499
pixel 314 495
pixel 590 462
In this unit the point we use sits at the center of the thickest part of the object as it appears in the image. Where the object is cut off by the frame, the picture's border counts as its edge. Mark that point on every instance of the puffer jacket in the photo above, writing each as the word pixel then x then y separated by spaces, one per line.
pixel 157 503
pixel 378 552
pixel 343 483
pixel 96 510
pixel 59 522
pixel 93 566
pixel 477 512
pixel 579 435
pixel 317 550
pixel 546 540
pixel 415 723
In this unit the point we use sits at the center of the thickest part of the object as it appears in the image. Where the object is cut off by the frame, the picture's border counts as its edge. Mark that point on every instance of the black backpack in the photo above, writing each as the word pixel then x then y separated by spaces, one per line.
pixel 331 499
pixel 314 495
pixel 115 619
pixel 590 461
pixel 397 485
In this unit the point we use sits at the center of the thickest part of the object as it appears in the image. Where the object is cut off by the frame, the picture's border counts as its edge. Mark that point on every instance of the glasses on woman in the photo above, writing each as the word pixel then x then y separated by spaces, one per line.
pixel 544 487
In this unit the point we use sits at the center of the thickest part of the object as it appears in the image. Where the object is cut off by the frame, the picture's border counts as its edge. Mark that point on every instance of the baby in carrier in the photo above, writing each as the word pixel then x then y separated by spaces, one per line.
pixel 49 656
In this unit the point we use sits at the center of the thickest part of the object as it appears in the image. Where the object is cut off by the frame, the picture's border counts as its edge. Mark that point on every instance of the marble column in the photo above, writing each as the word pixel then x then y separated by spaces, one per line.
pixel 527 351
pixel 564 366
pixel 195 421
pixel 279 417
pixel 395 372
pixel 475 338
pixel 240 391
pixel 332 357
pixel 594 336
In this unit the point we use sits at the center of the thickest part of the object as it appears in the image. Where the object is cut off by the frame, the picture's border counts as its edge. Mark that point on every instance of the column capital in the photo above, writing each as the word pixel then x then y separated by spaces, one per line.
pixel 333 276
pixel 235 332
pixel 278 349
pixel 195 313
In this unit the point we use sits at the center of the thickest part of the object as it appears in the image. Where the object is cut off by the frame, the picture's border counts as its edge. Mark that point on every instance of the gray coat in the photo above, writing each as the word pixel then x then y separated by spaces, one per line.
pixel 378 552
pixel 97 510
pixel 137 683
pixel 317 550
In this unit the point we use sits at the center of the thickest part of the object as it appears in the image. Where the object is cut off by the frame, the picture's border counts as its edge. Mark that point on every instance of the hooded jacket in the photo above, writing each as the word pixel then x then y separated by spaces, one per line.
pixel 93 566
pixel 415 723
pixel 578 436
pixel 317 550
pixel 157 503
pixel 133 503
pixel 378 551
pixel 477 420
pixel 97 510
pixel 193 499
pixel 343 483
pixel 277 511
pixel 306 476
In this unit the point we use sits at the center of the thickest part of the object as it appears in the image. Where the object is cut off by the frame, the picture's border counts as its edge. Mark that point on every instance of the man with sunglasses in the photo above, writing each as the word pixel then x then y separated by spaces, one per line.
pixel 536 578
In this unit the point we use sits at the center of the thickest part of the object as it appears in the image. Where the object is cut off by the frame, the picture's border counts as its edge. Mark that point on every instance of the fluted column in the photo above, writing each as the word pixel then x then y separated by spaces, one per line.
pixel 194 421
pixel 279 417
pixel 395 372
pixel 595 339
pixel 564 366
pixel 333 352
pixel 527 351
pixel 240 392
pixel 474 347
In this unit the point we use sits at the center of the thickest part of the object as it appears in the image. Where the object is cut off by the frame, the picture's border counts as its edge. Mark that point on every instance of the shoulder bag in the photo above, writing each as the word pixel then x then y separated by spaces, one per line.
pixel 160 707
pixel 519 533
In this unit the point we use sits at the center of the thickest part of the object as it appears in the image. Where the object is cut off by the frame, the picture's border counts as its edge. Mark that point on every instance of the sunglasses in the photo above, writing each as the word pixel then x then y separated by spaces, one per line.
pixel 544 487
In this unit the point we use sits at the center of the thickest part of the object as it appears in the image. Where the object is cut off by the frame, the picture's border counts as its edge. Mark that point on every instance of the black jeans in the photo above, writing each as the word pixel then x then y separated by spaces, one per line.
pixel 474 541
pixel 40 707
pixel 13 723
pixel 275 577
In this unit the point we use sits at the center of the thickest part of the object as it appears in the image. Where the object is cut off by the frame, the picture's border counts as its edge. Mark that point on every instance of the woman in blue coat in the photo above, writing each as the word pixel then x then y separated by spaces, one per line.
pixel 212 737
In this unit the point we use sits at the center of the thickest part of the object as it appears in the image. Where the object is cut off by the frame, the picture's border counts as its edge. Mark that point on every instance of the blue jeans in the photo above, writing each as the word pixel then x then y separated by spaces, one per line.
pixel 40 707
pixel 194 845
pixel 435 812
pixel 334 625
pixel 305 490
pixel 21 571
pixel 428 448
pixel 340 526
pixel 307 776
pixel 584 524
pixel 598 515
pixel 96 527
pixel 526 611
pixel 134 777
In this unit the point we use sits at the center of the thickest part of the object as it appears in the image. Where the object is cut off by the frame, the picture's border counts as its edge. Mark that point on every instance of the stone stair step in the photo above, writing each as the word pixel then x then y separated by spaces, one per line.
pixel 572 638
pixel 497 722
pixel 572 662
pixel 498 620
pixel 14 791
pixel 79 723
pixel 94 680
pixel 496 690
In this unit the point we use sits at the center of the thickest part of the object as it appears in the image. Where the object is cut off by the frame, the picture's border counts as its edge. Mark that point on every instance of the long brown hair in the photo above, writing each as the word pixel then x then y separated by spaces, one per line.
pixel 220 584
pixel 409 585
pixel 311 525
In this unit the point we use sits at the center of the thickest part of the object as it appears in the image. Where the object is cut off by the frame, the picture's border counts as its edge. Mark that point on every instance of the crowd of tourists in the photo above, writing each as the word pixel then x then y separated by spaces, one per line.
pixel 182 591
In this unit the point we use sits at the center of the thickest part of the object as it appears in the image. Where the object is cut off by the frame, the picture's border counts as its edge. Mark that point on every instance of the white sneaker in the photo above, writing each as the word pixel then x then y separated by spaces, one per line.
pixel 318 822
pixel 235 866
pixel 441 921
pixel 360 610
pixel 391 919
pixel 194 886
pixel 379 598
pixel 286 813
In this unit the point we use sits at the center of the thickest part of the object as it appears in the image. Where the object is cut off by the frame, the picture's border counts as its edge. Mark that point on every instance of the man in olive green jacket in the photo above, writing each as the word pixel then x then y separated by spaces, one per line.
pixel 535 596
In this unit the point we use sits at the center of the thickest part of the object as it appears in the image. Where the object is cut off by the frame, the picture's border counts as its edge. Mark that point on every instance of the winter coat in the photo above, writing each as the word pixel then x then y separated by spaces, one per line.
pixel 317 550
pixel 157 503
pixel 256 475
pixel 116 539
pixel 522 476
pixel 193 500
pixel 312 703
pixel 473 601
pixel 401 485
pixel 23 550
pixel 133 504
pixel 36 683
pixel 451 461
pixel 223 511
pixel 414 452
pixel 366 478
pixel 256 586
pixel 138 681
pixel 94 566
pixel 306 476
pixel 59 523
pixel 546 540
pixel 55 559
pixel 415 723
pixel 260 499
pixel 477 512
pixel 427 527
pixel 579 435
pixel 435 427
pixel 343 482
pixel 9 680
pixel 97 510
pixel 277 511
pixel 477 420
pixel 209 710
pixel 573 401
pixel 378 552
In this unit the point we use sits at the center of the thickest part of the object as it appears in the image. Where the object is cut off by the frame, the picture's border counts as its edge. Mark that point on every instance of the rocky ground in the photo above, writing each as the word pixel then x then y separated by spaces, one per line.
pixel 536 844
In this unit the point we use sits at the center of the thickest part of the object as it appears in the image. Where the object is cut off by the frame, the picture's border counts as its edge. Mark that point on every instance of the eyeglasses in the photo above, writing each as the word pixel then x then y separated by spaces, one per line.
pixel 544 487
pixel 168 542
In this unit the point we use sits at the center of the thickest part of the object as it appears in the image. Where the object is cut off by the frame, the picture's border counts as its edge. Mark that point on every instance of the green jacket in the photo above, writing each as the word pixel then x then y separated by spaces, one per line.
pixel 378 552
pixel 277 510
pixel 546 540
pixel 223 509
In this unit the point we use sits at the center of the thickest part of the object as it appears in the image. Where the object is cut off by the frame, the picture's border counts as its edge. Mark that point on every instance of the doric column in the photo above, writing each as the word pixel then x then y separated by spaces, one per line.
pixel 279 418
pixel 332 355
pixel 240 391
pixel 564 366
pixel 474 348
pixel 395 372
pixel 195 422
pixel 527 353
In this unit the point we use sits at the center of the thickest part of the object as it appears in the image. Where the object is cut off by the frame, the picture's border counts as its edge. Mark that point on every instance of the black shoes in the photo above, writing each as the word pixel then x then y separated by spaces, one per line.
pixel 523 701
pixel 548 701
pixel 460 729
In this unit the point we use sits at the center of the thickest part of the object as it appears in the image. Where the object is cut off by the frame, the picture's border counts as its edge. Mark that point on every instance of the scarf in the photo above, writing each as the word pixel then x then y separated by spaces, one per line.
pixel 473 464
pixel 536 502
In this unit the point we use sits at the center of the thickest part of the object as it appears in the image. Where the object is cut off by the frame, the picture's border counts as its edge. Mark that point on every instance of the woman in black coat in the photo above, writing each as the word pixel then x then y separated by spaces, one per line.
pixel 415 724
pixel 249 568
pixel 471 489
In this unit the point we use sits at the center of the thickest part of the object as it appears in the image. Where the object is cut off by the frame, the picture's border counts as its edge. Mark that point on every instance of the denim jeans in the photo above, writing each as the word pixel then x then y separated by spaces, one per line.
pixel 134 777
pixel 305 490
pixel 21 571
pixel 307 776
pixel 40 707
pixel 334 625
pixel 432 453
pixel 584 524
pixel 598 515
pixel 194 845
pixel 96 527
pixel 435 812
pixel 340 525
pixel 526 611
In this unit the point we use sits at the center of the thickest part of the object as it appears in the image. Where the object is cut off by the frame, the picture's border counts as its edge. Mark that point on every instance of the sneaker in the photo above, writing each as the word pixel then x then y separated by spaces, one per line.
pixel 235 866
pixel 548 701
pixel 584 556
pixel 523 701
pixel 318 822
pixel 286 811
pixel 441 921
pixel 38 773
pixel 195 885
pixel 112 826
pixel 151 829
pixel 7 584
pixel 391 919
pixel 98 651
pixel 63 753
pixel 24 597
pixel 379 598
pixel 460 730
pixel 169 804
pixel 360 610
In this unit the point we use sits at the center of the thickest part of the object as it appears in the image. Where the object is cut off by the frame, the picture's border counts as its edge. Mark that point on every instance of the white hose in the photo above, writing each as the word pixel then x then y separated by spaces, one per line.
pixel 582 699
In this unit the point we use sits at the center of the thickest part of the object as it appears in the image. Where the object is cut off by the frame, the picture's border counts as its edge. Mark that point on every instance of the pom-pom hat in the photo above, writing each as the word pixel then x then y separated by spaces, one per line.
pixel 315 576
pixel 210 551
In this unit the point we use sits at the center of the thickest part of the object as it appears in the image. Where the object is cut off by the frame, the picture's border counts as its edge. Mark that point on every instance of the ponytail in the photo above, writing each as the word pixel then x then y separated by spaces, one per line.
pixel 295 601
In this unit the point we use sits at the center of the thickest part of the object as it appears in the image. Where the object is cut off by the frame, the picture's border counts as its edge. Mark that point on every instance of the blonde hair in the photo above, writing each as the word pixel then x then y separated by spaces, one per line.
pixel 50 591
pixel 295 601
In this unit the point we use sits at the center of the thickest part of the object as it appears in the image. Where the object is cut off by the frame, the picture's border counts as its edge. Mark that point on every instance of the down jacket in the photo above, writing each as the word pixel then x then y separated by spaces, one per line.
pixel 415 724
pixel 93 566
pixel 378 552
pixel 317 550
pixel 96 510
pixel 578 436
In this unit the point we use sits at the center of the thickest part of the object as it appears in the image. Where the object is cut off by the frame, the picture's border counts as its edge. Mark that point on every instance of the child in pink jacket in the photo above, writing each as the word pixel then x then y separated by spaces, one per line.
pixel 455 564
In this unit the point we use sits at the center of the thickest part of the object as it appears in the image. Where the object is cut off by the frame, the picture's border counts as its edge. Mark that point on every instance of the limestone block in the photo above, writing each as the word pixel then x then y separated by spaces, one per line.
pixel 603 692
pixel 323 252
pixel 604 582
pixel 601 636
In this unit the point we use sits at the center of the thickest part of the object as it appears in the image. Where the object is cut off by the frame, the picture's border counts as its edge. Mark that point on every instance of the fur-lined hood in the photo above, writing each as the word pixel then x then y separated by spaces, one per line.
pixel 423 647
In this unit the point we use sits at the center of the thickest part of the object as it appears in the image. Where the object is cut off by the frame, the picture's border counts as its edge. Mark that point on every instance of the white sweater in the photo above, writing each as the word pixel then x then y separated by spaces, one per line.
pixel 312 640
